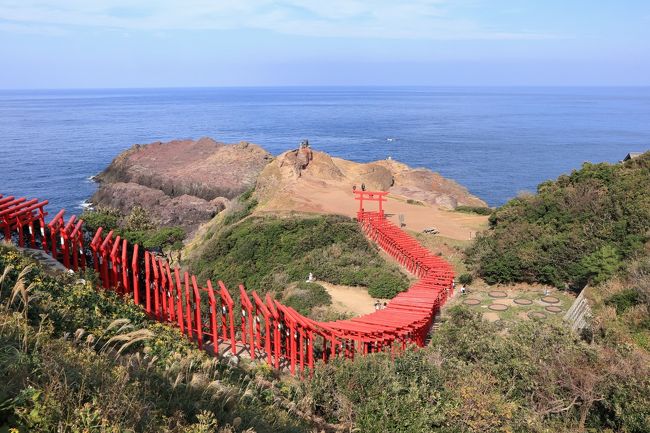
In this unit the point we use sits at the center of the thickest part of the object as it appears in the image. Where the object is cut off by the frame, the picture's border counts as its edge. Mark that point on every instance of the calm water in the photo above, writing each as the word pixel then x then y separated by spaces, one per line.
pixel 495 141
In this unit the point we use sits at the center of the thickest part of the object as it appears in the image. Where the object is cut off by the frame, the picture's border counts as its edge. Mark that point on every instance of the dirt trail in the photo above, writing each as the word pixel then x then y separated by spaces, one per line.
pixel 348 299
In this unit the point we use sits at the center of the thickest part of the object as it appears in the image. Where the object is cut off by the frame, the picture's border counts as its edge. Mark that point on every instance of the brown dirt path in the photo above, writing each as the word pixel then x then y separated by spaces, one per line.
pixel 349 299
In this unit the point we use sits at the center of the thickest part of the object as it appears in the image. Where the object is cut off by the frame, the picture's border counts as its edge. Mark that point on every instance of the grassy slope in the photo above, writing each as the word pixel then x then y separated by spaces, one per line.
pixel 268 253
pixel 60 370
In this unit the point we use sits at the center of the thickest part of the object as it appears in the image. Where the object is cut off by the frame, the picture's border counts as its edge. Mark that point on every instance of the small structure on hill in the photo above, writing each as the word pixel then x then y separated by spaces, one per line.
pixel 304 155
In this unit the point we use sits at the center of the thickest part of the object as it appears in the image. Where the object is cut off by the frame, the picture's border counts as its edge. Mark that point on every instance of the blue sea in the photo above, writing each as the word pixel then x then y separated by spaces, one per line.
pixel 495 141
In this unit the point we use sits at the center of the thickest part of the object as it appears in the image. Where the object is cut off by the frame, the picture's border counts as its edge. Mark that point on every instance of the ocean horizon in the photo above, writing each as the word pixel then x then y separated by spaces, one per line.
pixel 496 141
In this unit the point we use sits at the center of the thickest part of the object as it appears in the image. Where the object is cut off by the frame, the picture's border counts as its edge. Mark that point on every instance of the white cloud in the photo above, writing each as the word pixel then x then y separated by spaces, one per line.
pixel 414 19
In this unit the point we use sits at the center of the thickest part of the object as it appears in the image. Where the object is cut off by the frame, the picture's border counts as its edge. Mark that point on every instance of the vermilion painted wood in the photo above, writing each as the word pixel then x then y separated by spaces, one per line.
pixel 135 274
pixel 288 336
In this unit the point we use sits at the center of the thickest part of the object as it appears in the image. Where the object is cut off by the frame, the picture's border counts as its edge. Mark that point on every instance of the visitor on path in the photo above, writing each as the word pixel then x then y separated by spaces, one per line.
pixel 462 290
pixel 377 305
pixel 384 306
pixel 363 187
pixel 545 292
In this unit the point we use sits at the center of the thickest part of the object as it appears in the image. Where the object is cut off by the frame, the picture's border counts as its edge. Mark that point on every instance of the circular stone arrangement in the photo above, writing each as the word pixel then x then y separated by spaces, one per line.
pixel 537 315
pixel 471 301
pixel 550 299
pixel 497 294
pixel 553 309
pixel 522 301
pixel 498 307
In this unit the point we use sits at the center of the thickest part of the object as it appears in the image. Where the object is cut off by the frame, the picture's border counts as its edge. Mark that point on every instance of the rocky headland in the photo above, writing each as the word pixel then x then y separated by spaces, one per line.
pixel 186 183
pixel 182 182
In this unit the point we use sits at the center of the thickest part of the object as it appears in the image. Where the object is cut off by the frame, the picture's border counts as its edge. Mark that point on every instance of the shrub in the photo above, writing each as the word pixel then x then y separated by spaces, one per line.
pixel 243 207
pixel 307 296
pixel 105 217
pixel 475 209
pixel 473 377
pixel 386 286
pixel 623 300
pixel 465 279
pixel 415 202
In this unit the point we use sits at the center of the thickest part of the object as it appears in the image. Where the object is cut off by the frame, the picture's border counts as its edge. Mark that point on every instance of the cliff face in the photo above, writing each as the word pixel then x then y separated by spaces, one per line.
pixel 182 182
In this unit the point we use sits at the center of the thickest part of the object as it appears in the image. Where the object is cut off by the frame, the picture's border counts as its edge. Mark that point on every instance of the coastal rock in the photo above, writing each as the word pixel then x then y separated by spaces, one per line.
pixel 185 211
pixel 182 182
pixel 203 168
pixel 278 186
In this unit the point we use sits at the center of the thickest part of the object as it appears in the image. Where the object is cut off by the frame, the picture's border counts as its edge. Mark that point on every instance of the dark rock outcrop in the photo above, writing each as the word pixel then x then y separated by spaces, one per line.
pixel 182 182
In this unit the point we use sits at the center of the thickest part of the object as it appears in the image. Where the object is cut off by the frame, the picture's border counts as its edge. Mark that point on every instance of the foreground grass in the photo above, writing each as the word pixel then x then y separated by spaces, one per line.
pixel 75 359
pixel 474 377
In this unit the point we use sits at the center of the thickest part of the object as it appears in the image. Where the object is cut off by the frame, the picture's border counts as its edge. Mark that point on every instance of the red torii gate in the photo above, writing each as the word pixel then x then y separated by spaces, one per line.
pixel 372 196
pixel 289 338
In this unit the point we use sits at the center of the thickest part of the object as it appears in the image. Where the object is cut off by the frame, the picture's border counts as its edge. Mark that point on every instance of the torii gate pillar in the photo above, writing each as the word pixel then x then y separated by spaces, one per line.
pixel 378 196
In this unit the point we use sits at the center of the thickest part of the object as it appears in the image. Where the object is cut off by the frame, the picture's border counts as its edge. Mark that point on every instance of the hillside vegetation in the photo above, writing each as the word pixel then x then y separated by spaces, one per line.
pixel 581 228
pixel 474 377
pixel 74 359
pixel 268 253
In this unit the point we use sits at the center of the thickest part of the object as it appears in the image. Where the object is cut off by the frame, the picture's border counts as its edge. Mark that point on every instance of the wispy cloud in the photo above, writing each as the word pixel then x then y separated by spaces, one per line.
pixel 413 19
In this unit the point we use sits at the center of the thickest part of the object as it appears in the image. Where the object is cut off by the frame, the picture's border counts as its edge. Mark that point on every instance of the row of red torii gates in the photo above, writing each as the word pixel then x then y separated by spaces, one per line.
pixel 210 315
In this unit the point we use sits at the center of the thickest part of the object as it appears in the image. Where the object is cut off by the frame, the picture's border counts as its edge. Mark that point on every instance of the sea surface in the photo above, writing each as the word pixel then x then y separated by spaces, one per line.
pixel 495 141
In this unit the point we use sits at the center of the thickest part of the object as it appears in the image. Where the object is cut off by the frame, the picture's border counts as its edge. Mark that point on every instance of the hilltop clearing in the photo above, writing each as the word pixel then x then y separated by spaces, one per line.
pixel 325 185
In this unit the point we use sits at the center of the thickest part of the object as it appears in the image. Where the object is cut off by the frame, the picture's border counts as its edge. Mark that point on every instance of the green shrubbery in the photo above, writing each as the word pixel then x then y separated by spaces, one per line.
pixel 307 296
pixel 624 300
pixel 268 253
pixel 475 209
pixel 580 228
pixel 475 378
pixel 137 228
pixel 75 359
pixel 465 279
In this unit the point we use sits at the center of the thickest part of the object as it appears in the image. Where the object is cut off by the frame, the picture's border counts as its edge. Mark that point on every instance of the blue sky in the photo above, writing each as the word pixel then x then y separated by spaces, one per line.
pixel 160 43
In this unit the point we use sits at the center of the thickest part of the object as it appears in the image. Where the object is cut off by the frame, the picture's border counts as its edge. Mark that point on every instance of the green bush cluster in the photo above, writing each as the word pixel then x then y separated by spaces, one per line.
pixel 268 253
pixel 480 210
pixel 307 296
pixel 580 228
pixel 624 300
pixel 137 227
pixel 465 278
pixel 473 377
pixel 77 359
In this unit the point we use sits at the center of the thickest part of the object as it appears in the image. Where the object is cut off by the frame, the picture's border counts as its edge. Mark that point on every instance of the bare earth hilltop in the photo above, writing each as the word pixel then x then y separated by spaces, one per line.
pixel 186 183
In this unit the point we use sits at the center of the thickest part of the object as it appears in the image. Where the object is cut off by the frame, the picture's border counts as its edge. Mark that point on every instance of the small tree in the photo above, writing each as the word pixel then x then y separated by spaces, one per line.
pixel 105 217
pixel 138 220
pixel 167 239
pixel 465 279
